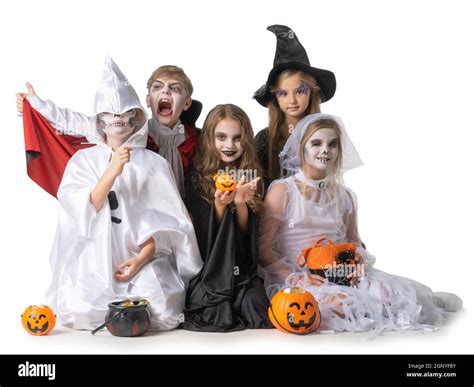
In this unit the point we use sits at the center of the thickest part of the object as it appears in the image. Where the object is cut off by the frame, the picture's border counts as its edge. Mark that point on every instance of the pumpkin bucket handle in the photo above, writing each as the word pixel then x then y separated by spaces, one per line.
pixel 301 260
pixel 318 243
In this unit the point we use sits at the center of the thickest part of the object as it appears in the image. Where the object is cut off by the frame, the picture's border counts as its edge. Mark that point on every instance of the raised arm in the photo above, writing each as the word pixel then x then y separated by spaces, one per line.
pixel 65 121
pixel 101 190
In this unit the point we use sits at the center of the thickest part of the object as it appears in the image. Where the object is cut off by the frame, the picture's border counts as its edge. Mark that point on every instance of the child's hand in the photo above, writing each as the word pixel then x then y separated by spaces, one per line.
pixel 245 191
pixel 120 157
pixel 223 198
pixel 313 280
pixel 20 97
pixel 127 270
pixel 357 275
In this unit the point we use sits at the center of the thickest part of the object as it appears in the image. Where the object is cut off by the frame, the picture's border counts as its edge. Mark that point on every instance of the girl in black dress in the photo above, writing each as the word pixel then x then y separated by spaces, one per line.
pixel 226 295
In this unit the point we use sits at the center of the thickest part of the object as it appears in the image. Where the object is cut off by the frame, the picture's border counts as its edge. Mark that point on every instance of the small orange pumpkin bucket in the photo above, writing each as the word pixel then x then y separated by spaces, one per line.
pixel 225 182
pixel 294 310
pixel 333 261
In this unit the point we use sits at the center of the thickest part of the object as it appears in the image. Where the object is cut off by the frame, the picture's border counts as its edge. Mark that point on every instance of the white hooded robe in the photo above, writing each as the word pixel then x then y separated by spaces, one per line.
pixel 89 246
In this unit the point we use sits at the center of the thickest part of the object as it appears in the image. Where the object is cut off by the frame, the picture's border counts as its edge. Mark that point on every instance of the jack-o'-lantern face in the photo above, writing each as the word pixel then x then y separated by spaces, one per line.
pixel 225 182
pixel 38 319
pixel 294 310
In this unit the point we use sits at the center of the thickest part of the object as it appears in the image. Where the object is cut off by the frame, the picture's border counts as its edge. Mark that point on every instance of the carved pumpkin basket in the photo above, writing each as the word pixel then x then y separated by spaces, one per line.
pixel 294 310
pixel 225 182
pixel 38 320
pixel 332 261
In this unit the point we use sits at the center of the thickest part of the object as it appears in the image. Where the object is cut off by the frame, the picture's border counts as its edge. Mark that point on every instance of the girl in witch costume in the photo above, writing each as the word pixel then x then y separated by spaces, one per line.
pixel 123 230
pixel 227 295
pixel 293 90
pixel 312 202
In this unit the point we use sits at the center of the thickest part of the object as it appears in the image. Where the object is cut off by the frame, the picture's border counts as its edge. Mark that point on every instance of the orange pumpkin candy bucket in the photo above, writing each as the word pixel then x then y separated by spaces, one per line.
pixel 332 261
pixel 225 182
pixel 294 310
pixel 38 320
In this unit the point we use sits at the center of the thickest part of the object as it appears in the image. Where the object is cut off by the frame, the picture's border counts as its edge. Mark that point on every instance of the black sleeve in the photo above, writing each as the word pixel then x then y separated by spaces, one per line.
pixel 261 140
pixel 199 210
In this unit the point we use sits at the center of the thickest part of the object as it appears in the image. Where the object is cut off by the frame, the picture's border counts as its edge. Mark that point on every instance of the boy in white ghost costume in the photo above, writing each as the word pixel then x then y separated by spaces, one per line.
pixel 123 229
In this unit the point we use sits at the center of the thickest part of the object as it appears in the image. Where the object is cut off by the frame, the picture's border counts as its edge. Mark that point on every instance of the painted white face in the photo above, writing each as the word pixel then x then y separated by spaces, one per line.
pixel 167 99
pixel 293 96
pixel 321 150
pixel 227 140
pixel 120 126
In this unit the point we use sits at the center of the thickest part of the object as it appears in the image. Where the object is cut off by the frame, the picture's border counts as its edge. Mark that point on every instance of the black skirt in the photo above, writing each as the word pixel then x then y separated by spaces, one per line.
pixel 227 294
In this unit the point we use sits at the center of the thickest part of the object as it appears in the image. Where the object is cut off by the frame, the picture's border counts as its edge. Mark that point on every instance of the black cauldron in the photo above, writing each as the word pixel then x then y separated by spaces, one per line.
pixel 127 318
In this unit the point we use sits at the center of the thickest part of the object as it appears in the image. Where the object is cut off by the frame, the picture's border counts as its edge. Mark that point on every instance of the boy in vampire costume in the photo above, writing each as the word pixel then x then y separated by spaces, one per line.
pixel 123 230
pixel 171 130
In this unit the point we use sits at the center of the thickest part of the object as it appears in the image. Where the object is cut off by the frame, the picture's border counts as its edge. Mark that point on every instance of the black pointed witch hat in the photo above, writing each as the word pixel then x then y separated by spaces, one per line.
pixel 290 54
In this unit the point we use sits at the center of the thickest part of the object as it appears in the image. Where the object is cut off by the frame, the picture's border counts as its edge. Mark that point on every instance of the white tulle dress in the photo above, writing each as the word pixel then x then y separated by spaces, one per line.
pixel 299 211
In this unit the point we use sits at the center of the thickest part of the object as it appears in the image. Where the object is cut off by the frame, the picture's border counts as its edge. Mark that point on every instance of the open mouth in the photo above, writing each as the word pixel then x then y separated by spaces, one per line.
pixel 165 107
pixel 38 329
pixel 118 124
pixel 324 160
pixel 229 153
pixel 301 323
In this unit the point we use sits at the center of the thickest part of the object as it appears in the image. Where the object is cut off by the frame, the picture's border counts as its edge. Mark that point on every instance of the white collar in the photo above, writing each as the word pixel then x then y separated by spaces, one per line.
pixel 319 184
pixel 166 131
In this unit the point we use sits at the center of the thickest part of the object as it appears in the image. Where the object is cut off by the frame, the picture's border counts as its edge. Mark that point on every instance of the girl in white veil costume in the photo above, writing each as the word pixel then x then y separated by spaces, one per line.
pixel 311 202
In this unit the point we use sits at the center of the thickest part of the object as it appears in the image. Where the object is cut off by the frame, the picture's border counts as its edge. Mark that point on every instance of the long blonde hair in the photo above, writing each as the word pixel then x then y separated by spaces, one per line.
pixel 277 130
pixel 208 162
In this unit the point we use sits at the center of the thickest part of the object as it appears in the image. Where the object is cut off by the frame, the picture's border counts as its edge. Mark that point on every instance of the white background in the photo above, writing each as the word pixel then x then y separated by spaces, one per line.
pixel 405 83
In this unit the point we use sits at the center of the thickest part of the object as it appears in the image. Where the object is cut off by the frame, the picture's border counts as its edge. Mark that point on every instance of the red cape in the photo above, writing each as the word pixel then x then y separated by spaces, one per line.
pixel 47 153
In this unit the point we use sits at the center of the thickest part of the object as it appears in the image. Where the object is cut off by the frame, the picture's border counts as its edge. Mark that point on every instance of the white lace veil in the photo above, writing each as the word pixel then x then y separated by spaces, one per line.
pixel 290 162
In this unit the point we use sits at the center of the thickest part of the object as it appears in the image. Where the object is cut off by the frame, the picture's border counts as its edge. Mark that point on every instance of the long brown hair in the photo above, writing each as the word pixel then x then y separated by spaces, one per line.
pixel 277 130
pixel 208 162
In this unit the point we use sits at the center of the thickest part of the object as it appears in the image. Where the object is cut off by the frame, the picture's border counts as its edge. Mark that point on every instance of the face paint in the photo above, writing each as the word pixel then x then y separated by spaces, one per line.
pixel 321 150
pixel 167 99
pixel 118 125
pixel 293 96
pixel 280 93
pixel 227 140
pixel 303 89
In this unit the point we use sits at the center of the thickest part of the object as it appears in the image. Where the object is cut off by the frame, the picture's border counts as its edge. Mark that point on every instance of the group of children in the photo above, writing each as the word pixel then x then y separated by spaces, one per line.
pixel 141 215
